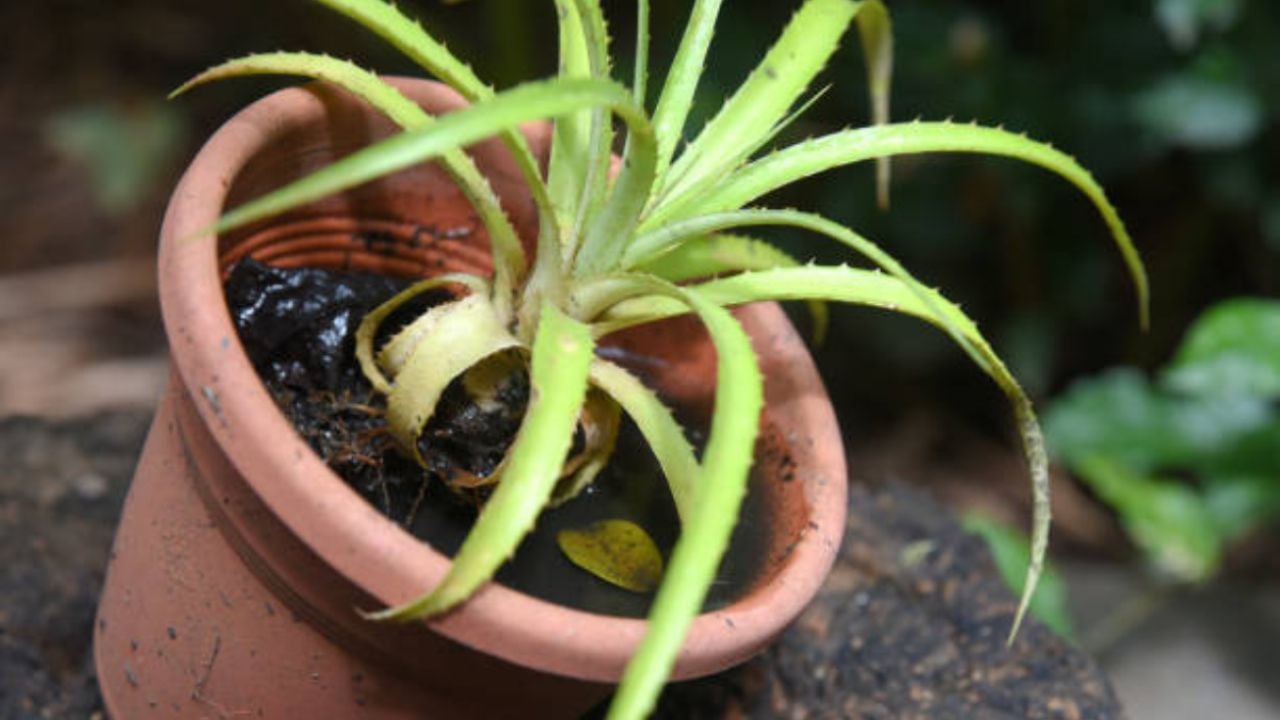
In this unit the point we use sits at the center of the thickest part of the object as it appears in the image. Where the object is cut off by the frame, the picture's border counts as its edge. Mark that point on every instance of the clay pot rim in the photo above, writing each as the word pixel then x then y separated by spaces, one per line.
pixel 349 534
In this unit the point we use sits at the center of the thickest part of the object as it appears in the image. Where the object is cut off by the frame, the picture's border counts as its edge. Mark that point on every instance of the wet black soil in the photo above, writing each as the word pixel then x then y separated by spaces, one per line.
pixel 298 328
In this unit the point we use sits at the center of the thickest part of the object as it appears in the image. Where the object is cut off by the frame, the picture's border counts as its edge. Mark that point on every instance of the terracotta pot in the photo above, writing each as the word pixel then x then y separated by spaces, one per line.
pixel 241 558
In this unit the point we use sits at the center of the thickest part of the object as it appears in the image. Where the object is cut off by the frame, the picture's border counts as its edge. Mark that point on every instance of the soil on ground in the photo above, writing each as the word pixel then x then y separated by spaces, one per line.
pixel 911 624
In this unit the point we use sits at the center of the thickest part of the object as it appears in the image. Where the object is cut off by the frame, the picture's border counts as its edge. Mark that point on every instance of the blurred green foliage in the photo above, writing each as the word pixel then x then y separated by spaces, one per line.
pixel 125 151
pixel 1191 460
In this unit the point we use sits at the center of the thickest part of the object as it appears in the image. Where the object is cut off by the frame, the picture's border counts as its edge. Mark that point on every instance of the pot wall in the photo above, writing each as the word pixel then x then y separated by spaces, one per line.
pixel 241 558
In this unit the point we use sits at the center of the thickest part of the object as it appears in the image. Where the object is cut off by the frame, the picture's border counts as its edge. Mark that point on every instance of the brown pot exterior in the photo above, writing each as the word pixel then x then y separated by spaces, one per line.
pixel 241 559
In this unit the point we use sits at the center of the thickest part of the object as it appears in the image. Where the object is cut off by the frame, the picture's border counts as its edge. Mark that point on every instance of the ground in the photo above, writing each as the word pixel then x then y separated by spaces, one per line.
pixel 910 624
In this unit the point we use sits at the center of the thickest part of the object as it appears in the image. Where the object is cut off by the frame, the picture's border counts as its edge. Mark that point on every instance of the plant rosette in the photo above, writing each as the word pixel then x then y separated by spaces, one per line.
pixel 580 246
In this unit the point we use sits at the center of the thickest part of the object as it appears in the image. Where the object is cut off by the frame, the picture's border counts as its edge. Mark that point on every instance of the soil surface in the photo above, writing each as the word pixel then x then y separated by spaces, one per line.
pixel 298 327
pixel 910 625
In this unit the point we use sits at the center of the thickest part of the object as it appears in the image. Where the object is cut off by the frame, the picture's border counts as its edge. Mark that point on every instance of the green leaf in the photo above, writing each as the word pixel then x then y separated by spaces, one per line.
pixel 1012 554
pixel 1167 519
pixel 530 101
pixel 575 135
pixel 1232 349
pixel 640 80
pixel 562 354
pixel 876 32
pixel 343 73
pixel 1253 452
pixel 1239 504
pixel 509 260
pixel 717 498
pixel 682 80
pixel 764 99
pixel 899 293
pixel 407 36
pixel 125 149
pixel 850 146
pixel 715 255
pixel 659 428
pixel 616 551
pixel 1120 415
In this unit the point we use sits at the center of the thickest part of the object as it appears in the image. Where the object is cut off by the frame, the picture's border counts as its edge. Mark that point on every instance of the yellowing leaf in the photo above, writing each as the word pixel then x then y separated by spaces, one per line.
pixel 616 551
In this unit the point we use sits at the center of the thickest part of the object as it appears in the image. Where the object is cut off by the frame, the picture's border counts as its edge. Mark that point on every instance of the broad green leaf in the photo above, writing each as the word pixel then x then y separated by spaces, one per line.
pixel 373 320
pixel 717 499
pixel 616 551
pixel 530 101
pixel 1233 349
pixel 562 354
pixel 750 114
pixel 1252 453
pixel 850 146
pixel 672 112
pixel 720 254
pixel 432 351
pixel 1239 504
pixel 1166 518
pixel 1120 415
pixel 1012 554
pixel 509 260
pixel 659 428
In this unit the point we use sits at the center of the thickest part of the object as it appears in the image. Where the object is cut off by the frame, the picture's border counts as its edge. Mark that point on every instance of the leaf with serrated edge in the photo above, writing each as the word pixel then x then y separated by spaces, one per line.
pixel 387 22
pixel 717 497
pixel 509 263
pixel 530 101
pixel 682 80
pixel 901 294
pixel 562 354
pixel 658 426
pixel 850 146
pixel 750 114
pixel 713 255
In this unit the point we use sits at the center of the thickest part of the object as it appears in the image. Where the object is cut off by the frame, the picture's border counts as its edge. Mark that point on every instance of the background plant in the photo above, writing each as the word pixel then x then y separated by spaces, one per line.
pixel 1189 460
pixel 608 251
